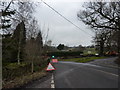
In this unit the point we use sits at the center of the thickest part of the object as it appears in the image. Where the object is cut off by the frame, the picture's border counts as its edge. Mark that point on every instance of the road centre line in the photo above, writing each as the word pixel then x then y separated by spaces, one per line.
pixel 52 82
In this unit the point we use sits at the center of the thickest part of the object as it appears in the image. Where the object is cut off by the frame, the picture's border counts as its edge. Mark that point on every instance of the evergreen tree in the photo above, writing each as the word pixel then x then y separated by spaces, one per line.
pixel 60 46
pixel 39 44
pixel 39 40
pixel 19 37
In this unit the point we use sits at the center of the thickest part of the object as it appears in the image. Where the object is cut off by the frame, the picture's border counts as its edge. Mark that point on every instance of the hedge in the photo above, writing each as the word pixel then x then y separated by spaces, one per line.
pixel 64 53
pixel 13 70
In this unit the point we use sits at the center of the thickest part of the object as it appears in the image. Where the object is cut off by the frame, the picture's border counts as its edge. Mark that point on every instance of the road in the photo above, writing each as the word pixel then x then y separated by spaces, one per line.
pixel 84 75
pixel 107 62
pixel 95 74
pixel 44 82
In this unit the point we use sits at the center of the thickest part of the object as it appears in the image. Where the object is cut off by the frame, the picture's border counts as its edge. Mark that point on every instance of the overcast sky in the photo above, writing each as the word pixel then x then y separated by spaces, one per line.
pixel 60 30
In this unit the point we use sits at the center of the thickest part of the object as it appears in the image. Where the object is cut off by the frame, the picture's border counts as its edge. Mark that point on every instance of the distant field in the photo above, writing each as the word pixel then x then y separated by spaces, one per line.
pixel 83 59
pixel 89 51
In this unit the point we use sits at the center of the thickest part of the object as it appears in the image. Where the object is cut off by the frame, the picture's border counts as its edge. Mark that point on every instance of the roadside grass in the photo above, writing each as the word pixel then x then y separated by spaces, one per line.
pixel 14 75
pixel 82 59
pixel 15 65
pixel 22 80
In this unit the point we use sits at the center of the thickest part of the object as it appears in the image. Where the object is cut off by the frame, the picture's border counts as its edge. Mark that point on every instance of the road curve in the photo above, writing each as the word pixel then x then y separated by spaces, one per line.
pixel 84 75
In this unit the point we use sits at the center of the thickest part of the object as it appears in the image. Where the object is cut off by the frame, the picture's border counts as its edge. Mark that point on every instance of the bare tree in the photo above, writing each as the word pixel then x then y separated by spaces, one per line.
pixel 104 17
pixel 101 15
pixel 34 45
pixel 5 14
pixel 23 13
pixel 30 50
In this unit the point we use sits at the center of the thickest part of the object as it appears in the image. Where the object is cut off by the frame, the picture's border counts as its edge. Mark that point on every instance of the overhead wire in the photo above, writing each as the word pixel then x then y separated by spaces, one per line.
pixel 65 17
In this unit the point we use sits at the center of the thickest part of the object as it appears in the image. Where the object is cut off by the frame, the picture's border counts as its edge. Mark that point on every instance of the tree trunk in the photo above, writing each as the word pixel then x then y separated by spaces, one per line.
pixel 118 41
pixel 118 60
pixel 32 67
pixel 101 47
pixel 18 56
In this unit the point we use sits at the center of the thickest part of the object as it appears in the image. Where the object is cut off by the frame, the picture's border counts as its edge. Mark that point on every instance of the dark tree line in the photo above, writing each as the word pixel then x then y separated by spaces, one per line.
pixel 13 45
pixel 22 41
pixel 104 17
pixel 60 47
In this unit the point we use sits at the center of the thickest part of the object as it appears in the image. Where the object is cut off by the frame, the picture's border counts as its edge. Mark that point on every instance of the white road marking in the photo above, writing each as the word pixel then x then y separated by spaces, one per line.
pixel 52 86
pixel 52 82
pixel 52 76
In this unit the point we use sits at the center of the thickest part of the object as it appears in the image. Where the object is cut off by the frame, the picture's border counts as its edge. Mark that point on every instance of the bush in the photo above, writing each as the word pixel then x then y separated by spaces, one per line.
pixel 64 53
pixel 13 70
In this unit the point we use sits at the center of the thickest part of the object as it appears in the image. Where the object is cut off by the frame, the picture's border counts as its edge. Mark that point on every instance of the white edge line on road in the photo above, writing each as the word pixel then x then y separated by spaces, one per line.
pixel 52 82
pixel 114 66
pixel 106 72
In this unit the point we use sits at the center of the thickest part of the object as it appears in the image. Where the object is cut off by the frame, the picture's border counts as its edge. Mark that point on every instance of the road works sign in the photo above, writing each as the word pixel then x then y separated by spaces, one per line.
pixel 54 60
pixel 50 67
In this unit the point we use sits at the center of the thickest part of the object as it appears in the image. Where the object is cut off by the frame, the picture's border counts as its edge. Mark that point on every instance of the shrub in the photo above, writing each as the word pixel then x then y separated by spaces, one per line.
pixel 65 53
pixel 13 70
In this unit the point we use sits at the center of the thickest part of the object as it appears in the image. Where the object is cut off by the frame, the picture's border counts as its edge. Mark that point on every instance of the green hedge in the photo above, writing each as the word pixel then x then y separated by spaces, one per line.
pixel 64 53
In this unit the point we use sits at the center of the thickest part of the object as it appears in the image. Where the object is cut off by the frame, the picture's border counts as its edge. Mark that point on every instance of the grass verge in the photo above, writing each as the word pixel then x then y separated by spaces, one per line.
pixel 83 59
pixel 20 81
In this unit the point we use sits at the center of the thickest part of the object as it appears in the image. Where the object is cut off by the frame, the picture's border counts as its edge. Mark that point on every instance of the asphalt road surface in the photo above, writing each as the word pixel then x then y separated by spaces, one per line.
pixel 44 82
pixel 84 75
pixel 107 62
